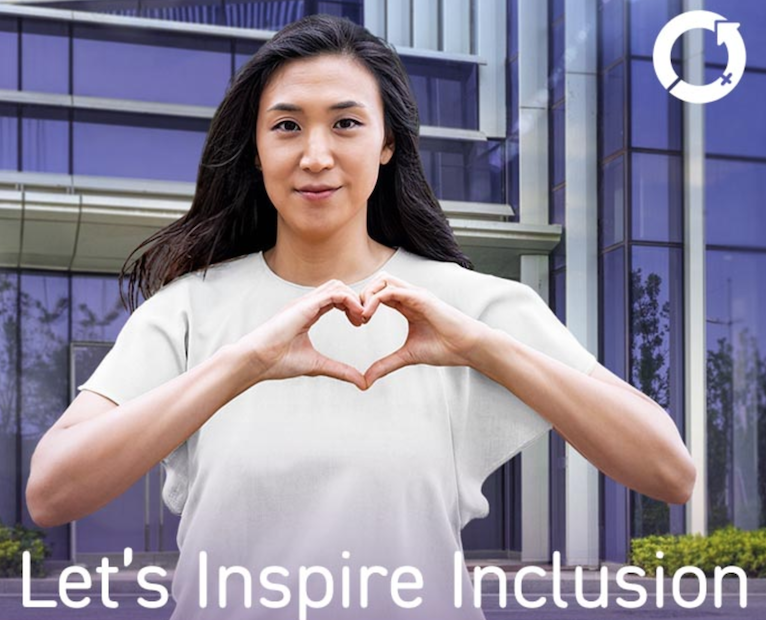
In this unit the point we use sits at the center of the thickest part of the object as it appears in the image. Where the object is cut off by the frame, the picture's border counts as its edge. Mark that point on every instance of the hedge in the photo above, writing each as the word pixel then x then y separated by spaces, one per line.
pixel 725 547
pixel 13 542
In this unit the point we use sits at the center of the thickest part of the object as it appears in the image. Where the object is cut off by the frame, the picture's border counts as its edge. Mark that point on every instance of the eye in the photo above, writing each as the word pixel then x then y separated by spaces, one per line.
pixel 348 123
pixel 288 126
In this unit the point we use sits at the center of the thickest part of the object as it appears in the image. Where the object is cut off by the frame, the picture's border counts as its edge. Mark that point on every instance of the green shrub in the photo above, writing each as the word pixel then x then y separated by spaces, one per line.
pixel 725 547
pixel 13 542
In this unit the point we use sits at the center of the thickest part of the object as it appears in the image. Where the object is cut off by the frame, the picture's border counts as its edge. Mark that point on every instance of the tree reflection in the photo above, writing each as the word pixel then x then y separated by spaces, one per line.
pixel 650 373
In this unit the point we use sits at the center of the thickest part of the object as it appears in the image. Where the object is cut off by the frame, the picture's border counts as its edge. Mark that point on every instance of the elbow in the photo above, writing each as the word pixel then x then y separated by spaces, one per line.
pixel 40 505
pixel 679 481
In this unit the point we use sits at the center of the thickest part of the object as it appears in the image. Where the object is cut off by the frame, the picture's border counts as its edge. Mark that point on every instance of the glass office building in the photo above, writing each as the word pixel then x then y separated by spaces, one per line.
pixel 557 155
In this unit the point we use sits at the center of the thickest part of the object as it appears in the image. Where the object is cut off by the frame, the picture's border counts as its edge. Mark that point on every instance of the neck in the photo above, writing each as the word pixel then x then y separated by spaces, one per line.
pixel 312 263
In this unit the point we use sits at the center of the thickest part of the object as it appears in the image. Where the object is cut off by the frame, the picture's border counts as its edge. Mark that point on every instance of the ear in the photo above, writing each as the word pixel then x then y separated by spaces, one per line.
pixel 387 152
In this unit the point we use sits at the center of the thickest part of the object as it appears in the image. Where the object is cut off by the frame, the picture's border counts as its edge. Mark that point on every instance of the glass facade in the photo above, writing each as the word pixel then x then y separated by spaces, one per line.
pixel 735 286
pixel 57 323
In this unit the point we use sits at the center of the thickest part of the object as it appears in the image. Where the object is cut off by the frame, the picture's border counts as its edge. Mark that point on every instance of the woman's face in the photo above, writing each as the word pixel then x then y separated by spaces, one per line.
pixel 320 139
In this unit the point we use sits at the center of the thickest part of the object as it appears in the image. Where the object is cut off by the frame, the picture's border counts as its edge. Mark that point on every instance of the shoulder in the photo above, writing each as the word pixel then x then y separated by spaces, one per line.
pixel 202 288
pixel 470 290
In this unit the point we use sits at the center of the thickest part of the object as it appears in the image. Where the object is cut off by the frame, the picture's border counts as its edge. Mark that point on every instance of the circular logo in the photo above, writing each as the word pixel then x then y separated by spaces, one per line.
pixel 727 33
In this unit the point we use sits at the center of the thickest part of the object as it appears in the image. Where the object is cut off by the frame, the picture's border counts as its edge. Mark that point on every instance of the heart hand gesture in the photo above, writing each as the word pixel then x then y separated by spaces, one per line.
pixel 439 334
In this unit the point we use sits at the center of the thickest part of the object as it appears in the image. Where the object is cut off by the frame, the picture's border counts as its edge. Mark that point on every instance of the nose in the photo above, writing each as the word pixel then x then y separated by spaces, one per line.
pixel 317 153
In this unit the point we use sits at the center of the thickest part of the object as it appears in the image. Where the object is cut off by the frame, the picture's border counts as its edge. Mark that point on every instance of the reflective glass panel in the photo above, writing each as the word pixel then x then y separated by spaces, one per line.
pixel 8 394
pixel 736 124
pixel 124 63
pixel 736 373
pixel 612 31
pixel 137 146
pixel 558 139
pixel 613 201
pixel 461 170
pixel 45 139
pixel 734 210
pixel 656 354
pixel 9 137
pixel 751 15
pixel 657 197
pixel 97 313
pixel 9 52
pixel 44 324
pixel 612 93
pixel 446 92
pixel 647 17
pixel 656 121
pixel 45 56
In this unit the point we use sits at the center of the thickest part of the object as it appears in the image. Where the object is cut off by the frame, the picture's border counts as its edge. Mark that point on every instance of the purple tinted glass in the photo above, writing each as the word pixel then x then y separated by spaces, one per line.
pixel 512 166
pixel 97 313
pixel 647 17
pixel 751 15
pixel 612 94
pixel 8 388
pixel 446 92
pixel 613 202
pixel 656 354
pixel 736 124
pixel 44 323
pixel 45 140
pixel 512 93
pixel 9 53
pixel 469 171
pixel 512 18
pixel 558 139
pixel 264 15
pixel 655 115
pixel 137 146
pixel 612 48
pixel 657 197
pixel 45 56
pixel 736 358
pixel 243 51
pixel 126 63
pixel 9 137
pixel 734 192
pixel 556 78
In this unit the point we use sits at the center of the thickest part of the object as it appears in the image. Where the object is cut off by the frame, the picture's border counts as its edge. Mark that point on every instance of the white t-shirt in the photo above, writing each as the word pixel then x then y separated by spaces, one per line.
pixel 296 472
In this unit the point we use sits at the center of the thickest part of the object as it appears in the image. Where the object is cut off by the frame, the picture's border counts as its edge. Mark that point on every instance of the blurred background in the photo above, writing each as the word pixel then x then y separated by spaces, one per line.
pixel 559 158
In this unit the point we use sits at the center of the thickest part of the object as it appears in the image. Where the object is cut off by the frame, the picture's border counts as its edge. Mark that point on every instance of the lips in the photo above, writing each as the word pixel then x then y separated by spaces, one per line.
pixel 317 192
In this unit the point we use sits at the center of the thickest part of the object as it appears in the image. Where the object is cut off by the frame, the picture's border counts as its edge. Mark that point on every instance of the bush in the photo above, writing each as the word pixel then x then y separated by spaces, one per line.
pixel 725 547
pixel 13 542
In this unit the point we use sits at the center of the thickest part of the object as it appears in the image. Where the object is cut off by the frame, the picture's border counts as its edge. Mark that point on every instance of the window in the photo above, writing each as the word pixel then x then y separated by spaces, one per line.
pixel 9 52
pixel 45 139
pixel 45 56
pixel 655 115
pixel 613 203
pixel 9 137
pixel 657 197
pixel 612 93
pixel 735 218
pixel 446 92
pixel 468 171
pixel 124 63
pixel 137 146
pixel 733 125
pixel 647 18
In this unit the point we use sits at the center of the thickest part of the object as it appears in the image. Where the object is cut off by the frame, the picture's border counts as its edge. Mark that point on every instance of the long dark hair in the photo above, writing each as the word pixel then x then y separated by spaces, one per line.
pixel 231 215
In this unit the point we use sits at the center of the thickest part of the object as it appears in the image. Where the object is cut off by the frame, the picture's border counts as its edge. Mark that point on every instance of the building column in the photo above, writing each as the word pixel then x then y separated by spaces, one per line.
pixel 581 228
pixel 695 346
pixel 533 198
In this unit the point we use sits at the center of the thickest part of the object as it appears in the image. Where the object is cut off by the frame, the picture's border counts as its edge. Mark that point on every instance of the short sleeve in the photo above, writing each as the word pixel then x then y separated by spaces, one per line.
pixel 490 424
pixel 150 350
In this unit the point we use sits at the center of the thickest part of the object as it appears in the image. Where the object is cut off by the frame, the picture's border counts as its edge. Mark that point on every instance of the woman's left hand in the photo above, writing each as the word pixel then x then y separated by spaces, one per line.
pixel 439 334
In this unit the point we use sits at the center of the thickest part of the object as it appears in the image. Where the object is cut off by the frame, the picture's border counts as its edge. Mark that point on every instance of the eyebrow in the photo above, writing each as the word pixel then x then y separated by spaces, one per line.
pixel 289 107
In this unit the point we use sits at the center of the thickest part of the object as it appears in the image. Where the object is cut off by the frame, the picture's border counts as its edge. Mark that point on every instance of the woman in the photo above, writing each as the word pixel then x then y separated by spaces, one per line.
pixel 365 445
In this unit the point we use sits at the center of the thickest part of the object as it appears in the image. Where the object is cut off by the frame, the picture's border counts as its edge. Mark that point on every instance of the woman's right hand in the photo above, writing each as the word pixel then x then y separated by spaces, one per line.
pixel 280 348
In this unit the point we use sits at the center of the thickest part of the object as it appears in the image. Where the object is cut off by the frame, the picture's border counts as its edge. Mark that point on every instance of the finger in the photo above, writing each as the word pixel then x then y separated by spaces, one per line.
pixel 338 370
pixel 386 365
pixel 378 283
pixel 395 297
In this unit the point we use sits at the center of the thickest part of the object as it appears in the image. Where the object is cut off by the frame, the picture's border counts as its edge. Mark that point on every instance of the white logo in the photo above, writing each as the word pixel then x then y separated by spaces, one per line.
pixel 727 33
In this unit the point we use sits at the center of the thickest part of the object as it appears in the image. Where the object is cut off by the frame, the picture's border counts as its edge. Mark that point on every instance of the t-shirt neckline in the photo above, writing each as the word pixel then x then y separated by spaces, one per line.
pixel 273 275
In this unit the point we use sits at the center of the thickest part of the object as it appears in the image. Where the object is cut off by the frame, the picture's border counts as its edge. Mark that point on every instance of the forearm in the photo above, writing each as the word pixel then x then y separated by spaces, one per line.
pixel 626 435
pixel 79 469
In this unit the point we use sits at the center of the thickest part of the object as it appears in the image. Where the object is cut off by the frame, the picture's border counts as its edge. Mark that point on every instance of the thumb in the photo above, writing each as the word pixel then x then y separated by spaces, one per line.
pixel 338 370
pixel 386 365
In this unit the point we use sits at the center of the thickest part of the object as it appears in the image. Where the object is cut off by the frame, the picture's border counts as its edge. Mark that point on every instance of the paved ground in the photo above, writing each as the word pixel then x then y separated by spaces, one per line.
pixel 125 592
